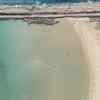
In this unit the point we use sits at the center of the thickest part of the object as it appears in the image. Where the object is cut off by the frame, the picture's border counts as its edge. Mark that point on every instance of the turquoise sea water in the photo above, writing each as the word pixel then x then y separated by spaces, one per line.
pixel 29 2
pixel 40 62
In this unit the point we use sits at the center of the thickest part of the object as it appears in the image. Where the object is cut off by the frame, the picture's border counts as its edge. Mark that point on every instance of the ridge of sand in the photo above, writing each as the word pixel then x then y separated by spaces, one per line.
pixel 91 46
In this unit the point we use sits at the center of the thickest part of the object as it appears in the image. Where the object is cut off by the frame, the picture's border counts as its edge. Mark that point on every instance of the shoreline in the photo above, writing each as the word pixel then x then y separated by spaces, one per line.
pixel 91 47
pixel 85 51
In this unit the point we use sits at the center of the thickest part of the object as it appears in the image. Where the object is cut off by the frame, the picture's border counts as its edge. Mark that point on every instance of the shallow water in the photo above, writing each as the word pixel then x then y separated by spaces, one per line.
pixel 39 62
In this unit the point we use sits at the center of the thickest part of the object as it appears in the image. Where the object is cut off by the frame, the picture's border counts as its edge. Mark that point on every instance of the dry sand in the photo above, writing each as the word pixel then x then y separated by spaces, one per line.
pixel 91 45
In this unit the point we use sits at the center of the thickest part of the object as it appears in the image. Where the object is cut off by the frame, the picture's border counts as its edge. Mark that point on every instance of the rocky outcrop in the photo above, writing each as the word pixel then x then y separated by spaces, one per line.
pixel 46 21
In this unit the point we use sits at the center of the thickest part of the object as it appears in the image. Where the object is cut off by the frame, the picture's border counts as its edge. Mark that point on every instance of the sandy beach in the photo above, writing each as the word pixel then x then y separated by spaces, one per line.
pixel 91 45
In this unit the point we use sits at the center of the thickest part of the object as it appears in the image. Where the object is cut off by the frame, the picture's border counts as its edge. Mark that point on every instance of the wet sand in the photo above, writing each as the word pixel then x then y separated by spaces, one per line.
pixel 91 45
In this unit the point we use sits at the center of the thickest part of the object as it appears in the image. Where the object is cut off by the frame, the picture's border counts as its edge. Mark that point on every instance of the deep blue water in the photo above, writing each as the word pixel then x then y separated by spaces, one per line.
pixel 29 2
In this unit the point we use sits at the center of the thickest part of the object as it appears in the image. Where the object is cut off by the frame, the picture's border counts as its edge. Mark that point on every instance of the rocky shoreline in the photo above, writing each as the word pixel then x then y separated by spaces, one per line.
pixel 52 8
pixel 55 9
pixel 43 13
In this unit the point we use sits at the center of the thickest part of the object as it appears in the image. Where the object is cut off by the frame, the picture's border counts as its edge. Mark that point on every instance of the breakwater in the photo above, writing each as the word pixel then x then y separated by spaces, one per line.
pixel 41 13
pixel 53 10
